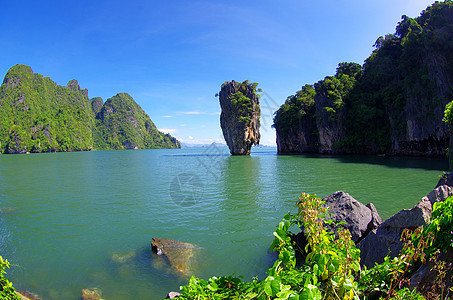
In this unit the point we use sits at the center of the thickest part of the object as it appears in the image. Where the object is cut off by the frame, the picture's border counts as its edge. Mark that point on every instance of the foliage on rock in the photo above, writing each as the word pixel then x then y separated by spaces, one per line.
pixel 122 124
pixel 393 103
pixel 37 115
pixel 331 269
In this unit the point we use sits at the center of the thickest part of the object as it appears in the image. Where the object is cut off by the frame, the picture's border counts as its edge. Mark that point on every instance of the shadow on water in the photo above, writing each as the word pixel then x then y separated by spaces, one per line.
pixel 400 162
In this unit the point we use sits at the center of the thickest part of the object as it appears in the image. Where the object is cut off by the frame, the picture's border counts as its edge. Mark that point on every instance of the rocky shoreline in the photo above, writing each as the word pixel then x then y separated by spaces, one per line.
pixel 377 239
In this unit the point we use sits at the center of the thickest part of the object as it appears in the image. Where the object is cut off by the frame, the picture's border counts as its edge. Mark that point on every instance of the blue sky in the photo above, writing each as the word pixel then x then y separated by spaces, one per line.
pixel 173 56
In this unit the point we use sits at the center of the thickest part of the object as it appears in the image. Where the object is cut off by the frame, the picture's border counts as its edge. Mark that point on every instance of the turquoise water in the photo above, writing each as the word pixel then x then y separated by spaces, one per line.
pixel 71 221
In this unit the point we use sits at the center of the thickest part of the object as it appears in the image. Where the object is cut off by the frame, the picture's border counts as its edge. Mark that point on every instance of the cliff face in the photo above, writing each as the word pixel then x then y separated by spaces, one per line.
pixel 37 115
pixel 240 116
pixel 329 125
pixel 393 104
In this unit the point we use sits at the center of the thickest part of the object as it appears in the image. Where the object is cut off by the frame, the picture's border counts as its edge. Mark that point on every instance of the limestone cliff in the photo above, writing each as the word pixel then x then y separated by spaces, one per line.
pixel 392 104
pixel 240 116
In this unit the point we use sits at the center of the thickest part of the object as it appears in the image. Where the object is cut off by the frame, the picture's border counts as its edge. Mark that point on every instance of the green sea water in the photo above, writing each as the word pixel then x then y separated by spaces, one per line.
pixel 71 221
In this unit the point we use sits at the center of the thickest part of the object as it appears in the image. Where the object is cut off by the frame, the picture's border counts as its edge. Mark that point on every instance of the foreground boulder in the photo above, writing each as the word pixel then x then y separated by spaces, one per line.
pixel 385 240
pixel 358 218
pixel 180 255
pixel 240 117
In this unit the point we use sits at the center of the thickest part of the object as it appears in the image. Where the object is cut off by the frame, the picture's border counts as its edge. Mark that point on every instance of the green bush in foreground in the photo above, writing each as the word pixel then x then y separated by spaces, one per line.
pixel 7 290
pixel 331 269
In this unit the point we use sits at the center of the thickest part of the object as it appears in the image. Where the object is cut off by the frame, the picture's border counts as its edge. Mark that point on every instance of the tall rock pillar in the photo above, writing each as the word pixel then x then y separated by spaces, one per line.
pixel 240 117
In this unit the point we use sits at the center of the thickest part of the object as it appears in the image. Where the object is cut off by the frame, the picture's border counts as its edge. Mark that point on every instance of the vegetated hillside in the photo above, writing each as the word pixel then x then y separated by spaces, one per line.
pixel 393 104
pixel 37 115
pixel 122 124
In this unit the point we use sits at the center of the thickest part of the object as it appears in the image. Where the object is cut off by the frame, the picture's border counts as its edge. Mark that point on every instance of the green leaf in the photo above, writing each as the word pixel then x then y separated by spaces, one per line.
pixel 272 286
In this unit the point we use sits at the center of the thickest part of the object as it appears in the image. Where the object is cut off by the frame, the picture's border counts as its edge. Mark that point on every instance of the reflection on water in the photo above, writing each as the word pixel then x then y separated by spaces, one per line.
pixel 70 221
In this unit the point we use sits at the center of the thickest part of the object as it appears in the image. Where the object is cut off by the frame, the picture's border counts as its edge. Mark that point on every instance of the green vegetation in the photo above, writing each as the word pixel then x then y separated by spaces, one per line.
pixel 36 115
pixel 242 101
pixel 7 290
pixel 331 267
pixel 296 107
pixel 405 78
pixel 122 124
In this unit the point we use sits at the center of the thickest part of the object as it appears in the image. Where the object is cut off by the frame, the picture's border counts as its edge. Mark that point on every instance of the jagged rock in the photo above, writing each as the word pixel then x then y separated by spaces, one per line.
pixel 360 219
pixel 25 295
pixel 240 117
pixel 74 86
pixel 91 294
pixel 180 255
pixel 96 104
pixel 386 238
pixel 330 131
pixel 172 295
pixel 432 280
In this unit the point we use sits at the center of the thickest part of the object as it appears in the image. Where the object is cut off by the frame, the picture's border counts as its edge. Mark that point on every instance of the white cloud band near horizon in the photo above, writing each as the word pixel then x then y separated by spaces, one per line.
pixel 197 113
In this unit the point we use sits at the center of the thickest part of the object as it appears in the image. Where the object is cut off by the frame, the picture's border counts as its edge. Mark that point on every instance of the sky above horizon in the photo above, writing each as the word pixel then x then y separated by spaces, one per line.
pixel 173 56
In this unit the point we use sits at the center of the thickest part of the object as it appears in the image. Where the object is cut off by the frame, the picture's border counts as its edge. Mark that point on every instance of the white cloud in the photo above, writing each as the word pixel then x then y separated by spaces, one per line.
pixel 190 137
pixel 190 112
pixel 167 116
pixel 197 113
pixel 168 130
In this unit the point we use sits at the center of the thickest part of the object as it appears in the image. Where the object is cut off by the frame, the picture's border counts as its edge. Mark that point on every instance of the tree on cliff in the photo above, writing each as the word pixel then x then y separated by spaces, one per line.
pixel 392 104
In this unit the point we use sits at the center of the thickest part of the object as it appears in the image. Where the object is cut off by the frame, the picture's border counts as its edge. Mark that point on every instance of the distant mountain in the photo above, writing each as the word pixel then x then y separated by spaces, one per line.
pixel 122 124
pixel 37 115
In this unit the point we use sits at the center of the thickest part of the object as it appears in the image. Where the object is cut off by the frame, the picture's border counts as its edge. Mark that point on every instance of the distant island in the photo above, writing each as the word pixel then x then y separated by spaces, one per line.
pixel 37 115
pixel 393 104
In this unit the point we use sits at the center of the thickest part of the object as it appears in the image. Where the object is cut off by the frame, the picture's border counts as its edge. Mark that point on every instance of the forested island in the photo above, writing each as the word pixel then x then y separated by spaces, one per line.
pixel 392 104
pixel 37 115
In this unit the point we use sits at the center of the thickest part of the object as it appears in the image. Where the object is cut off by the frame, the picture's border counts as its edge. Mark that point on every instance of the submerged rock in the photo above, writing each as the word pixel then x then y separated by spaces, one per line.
pixel 180 255
pixel 122 258
pixel 240 117
pixel 91 294
pixel 25 295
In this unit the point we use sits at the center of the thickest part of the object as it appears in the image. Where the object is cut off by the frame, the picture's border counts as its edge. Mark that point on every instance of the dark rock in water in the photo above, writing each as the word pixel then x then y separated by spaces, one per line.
pixel 386 238
pixel 240 117
pixel 180 255
pixel 172 295
pixel 360 219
